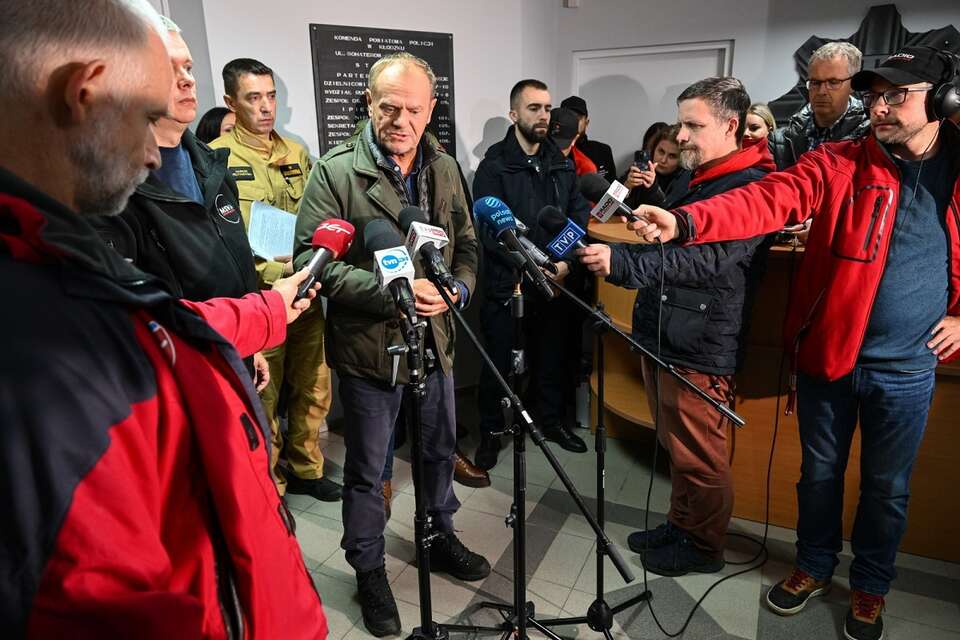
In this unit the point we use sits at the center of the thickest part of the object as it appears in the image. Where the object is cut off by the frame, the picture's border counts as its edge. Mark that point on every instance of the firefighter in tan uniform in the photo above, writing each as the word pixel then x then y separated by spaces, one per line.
pixel 272 169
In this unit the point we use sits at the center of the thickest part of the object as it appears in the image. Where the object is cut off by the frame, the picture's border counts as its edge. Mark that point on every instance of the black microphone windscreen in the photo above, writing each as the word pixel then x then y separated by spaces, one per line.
pixel 380 234
pixel 552 219
pixel 409 215
pixel 592 187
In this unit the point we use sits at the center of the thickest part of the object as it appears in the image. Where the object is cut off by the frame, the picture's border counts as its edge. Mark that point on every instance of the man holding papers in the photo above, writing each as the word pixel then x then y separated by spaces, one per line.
pixel 271 169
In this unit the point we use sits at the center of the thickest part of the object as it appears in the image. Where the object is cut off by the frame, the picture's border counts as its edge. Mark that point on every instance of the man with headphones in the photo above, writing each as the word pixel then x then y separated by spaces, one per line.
pixel 875 307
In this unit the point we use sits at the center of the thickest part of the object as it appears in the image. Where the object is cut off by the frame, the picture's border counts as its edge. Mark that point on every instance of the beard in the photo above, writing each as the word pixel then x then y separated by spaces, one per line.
pixel 107 177
pixel 690 158
pixel 531 134
pixel 900 133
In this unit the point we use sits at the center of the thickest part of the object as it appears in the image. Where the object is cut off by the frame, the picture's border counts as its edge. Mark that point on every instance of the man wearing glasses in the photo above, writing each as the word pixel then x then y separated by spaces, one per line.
pixel 874 308
pixel 833 113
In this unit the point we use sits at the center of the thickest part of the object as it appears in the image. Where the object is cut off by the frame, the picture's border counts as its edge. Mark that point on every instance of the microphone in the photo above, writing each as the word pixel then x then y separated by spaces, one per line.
pixel 427 240
pixel 569 235
pixel 543 260
pixel 497 217
pixel 609 198
pixel 331 240
pixel 392 265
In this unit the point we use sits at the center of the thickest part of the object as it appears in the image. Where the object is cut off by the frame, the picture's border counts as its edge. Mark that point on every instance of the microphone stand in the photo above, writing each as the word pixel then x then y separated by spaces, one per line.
pixel 521 614
pixel 600 614
pixel 413 332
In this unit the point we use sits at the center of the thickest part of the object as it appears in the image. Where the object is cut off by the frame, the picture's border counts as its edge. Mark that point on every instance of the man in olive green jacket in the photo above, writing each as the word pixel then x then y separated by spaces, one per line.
pixel 387 165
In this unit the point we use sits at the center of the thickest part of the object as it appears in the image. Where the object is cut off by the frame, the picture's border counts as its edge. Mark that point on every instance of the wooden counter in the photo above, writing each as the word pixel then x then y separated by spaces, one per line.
pixel 934 514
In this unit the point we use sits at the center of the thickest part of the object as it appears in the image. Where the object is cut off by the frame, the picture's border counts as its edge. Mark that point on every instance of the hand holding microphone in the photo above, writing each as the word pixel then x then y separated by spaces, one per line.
pixel 331 240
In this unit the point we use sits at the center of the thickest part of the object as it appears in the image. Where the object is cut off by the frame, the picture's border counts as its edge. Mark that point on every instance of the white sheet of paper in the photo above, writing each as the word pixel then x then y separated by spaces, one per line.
pixel 271 231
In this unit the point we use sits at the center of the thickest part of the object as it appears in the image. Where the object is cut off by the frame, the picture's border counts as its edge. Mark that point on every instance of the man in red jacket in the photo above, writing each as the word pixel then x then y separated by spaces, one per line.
pixel 875 307
pixel 134 464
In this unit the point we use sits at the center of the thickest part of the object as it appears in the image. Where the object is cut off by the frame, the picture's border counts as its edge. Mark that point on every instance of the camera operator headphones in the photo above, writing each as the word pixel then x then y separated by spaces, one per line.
pixel 944 100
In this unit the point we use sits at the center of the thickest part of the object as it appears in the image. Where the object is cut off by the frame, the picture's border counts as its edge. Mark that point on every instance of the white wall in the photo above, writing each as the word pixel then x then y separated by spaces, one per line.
pixel 496 42
pixel 766 33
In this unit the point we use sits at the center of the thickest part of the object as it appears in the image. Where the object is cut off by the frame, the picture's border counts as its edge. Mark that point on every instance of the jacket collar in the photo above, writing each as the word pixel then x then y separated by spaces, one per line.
pixel 854 122
pixel 37 229
pixel 515 158
pixel 209 165
pixel 753 154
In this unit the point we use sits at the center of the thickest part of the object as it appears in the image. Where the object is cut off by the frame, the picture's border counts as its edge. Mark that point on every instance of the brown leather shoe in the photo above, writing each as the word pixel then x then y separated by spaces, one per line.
pixel 467 473
pixel 387 497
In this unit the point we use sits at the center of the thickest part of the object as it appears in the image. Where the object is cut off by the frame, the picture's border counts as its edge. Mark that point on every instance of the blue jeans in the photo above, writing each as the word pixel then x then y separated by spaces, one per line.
pixel 892 409
pixel 370 410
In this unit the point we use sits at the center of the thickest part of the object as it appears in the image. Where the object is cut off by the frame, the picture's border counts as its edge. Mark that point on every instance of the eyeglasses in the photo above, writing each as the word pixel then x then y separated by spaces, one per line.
pixel 892 97
pixel 832 84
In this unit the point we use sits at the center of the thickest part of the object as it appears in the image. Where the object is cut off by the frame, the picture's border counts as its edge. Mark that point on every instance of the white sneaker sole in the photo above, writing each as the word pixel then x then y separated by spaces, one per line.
pixel 822 591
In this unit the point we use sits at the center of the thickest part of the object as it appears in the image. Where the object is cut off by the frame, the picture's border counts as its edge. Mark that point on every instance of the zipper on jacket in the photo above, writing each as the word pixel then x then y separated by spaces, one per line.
pixel 873 221
pixel 252 439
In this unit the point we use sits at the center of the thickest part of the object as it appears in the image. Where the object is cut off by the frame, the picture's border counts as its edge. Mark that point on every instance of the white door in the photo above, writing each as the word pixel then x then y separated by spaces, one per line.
pixel 627 90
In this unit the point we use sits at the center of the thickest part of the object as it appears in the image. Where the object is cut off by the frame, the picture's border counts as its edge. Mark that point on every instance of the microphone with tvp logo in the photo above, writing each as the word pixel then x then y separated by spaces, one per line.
pixel 331 240
pixel 568 234
pixel 392 265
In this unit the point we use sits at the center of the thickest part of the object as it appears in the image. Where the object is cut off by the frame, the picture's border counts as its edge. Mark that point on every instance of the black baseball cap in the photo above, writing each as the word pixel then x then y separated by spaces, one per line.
pixel 575 104
pixel 564 126
pixel 910 65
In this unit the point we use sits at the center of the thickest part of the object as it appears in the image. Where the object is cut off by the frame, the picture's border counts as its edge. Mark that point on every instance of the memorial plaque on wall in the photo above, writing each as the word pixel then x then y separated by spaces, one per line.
pixel 342 57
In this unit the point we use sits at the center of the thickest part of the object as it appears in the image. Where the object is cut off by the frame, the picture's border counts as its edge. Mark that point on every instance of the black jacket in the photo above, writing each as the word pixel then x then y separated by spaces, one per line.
pixel 526 185
pixel 788 143
pixel 200 251
pixel 602 156
pixel 708 288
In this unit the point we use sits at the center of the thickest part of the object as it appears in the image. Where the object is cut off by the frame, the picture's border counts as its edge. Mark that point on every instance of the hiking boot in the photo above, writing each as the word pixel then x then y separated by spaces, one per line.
pixel 380 615
pixel 680 558
pixel 450 556
pixel 863 620
pixel 790 596
pixel 661 536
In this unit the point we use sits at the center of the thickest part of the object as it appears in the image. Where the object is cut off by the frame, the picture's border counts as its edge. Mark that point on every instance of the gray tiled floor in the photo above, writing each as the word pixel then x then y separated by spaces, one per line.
pixel 561 561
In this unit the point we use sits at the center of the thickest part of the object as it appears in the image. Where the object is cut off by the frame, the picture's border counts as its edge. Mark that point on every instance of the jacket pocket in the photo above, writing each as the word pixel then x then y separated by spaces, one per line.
pixel 685 313
pixel 862 224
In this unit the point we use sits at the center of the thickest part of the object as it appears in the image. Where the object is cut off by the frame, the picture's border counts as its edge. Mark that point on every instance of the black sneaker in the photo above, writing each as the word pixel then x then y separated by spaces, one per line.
pixel 863 621
pixel 790 596
pixel 380 615
pixel 680 558
pixel 323 489
pixel 487 452
pixel 447 554
pixel 661 536
pixel 560 434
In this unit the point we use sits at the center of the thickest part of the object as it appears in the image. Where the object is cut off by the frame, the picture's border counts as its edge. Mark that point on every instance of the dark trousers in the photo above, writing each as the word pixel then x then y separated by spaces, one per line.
pixel 551 350
pixel 370 410
pixel 695 436
pixel 892 408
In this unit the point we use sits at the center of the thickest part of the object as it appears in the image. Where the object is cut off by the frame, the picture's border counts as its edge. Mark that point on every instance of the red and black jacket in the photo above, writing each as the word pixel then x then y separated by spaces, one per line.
pixel 134 464
pixel 852 189
pixel 708 289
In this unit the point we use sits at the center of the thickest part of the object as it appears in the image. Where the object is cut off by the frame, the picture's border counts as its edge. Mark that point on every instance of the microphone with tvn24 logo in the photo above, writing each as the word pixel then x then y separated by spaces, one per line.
pixel 496 216
pixel 392 265
pixel 330 241
pixel 609 198
pixel 568 234
pixel 427 240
